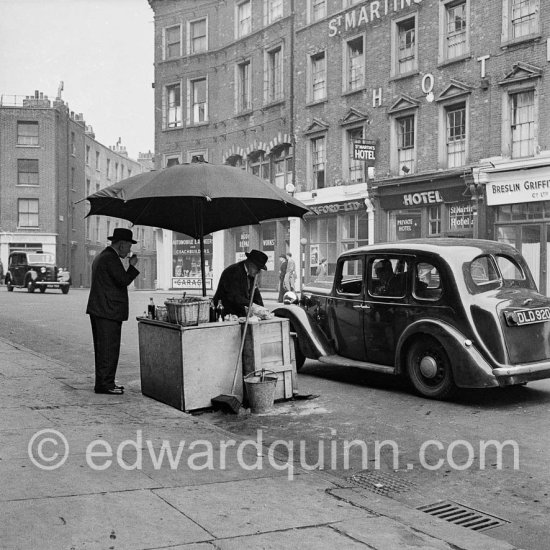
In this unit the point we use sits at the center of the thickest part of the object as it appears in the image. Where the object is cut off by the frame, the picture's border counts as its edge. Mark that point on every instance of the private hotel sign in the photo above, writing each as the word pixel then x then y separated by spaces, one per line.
pixel 518 186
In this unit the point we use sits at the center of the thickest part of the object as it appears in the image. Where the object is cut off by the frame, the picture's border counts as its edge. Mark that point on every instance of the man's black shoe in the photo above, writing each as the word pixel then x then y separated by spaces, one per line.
pixel 114 391
pixel 117 387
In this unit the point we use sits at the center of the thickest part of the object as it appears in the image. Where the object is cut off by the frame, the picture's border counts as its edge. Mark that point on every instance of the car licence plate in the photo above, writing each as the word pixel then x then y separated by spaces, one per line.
pixel 528 316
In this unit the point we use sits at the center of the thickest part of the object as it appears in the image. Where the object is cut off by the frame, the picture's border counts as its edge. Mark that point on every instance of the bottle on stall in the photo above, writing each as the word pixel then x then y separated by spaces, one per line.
pixel 151 309
pixel 212 316
pixel 220 311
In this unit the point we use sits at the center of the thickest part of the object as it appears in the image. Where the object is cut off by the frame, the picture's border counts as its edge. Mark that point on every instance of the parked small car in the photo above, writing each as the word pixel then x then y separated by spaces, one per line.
pixel 446 313
pixel 35 270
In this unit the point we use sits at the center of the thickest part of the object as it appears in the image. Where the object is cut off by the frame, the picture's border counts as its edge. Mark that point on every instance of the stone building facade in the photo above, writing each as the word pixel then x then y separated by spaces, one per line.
pixel 394 119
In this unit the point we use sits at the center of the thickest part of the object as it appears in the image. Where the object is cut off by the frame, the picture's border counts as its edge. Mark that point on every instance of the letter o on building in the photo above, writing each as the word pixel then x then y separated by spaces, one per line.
pixel 427 83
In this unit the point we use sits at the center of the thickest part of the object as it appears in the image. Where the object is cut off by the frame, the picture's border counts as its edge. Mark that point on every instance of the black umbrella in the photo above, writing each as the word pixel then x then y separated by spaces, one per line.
pixel 195 199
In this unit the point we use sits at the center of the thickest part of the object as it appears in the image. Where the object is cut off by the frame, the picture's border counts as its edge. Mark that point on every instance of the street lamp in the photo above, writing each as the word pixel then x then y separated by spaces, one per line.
pixel 303 242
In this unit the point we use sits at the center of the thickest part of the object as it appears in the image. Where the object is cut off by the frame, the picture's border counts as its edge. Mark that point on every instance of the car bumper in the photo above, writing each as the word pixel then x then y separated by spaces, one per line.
pixel 51 284
pixel 510 376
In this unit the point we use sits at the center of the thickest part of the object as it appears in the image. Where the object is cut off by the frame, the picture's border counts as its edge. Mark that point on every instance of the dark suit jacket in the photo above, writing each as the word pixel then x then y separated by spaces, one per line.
pixel 234 290
pixel 109 292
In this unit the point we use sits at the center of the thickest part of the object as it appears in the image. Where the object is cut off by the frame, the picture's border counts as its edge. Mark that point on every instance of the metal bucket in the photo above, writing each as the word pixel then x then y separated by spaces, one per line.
pixel 260 390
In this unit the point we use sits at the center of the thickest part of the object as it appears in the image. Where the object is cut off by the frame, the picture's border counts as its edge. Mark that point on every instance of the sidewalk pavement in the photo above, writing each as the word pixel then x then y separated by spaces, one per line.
pixel 108 486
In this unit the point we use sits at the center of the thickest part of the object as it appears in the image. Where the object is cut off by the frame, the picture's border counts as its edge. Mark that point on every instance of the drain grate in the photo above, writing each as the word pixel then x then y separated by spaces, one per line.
pixel 380 482
pixel 463 515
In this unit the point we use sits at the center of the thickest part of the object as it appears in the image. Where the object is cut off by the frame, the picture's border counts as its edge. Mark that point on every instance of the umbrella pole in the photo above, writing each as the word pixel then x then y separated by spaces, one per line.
pixel 202 265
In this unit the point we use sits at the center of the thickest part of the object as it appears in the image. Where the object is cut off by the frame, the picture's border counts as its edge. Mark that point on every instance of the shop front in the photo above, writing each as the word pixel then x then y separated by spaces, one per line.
pixel 519 207
pixel 442 207
pixel 271 237
pixel 333 228
pixel 186 262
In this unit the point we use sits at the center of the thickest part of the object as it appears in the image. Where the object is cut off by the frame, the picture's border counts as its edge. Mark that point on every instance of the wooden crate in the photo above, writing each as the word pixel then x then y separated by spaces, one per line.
pixel 186 367
pixel 268 346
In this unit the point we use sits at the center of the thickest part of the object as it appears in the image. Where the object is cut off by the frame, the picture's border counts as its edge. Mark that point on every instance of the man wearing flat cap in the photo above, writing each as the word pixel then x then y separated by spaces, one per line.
pixel 108 306
pixel 236 284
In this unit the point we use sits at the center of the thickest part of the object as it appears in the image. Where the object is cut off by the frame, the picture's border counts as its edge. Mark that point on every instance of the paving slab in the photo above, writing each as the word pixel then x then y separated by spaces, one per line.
pixel 454 535
pixel 261 505
pixel 381 533
pixel 129 520
pixel 308 538
pixel 23 480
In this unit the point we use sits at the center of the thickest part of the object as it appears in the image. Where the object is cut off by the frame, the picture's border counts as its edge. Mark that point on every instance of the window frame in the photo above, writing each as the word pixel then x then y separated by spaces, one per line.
pixel 347 86
pixel 243 86
pixel 274 74
pixel 273 10
pixel 191 38
pixel 508 23
pixel 33 138
pixel 313 163
pixel 321 58
pixel 312 10
pixel 167 108
pixel 166 46
pixel 444 49
pixel 25 161
pixel 350 163
pixel 243 25
pixel 396 162
pixel 395 46
pixel 20 212
pixel 193 105
pixel 445 110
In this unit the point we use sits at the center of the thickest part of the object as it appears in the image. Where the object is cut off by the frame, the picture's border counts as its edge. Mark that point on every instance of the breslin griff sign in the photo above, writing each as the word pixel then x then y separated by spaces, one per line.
pixel 364 150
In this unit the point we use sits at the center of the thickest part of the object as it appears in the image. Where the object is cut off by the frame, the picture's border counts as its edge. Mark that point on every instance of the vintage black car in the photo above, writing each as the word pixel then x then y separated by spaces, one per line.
pixel 446 313
pixel 32 270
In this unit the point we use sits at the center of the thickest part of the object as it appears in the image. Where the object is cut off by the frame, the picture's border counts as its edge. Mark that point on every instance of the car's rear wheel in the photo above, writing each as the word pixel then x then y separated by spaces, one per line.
pixel 31 287
pixel 42 289
pixel 9 286
pixel 429 369
pixel 65 289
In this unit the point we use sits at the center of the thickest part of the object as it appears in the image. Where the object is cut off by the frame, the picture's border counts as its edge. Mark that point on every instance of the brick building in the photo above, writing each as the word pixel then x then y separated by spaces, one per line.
pixel 49 162
pixel 392 119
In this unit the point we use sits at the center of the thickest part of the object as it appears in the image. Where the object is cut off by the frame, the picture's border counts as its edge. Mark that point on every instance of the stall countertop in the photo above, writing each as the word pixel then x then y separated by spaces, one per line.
pixel 175 326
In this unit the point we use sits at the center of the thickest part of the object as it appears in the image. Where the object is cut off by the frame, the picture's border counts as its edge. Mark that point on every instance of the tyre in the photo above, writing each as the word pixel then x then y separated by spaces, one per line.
pixel 42 289
pixel 31 287
pixel 9 286
pixel 429 369
pixel 65 289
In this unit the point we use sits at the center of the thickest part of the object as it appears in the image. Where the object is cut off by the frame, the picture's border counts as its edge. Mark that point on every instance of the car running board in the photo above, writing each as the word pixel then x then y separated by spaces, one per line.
pixel 340 361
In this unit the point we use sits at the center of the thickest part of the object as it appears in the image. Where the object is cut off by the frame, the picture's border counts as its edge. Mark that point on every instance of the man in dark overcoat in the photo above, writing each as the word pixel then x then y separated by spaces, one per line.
pixel 236 283
pixel 108 306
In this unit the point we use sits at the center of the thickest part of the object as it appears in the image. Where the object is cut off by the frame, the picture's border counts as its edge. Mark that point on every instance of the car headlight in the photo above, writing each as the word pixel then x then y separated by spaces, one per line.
pixel 290 298
pixel 42 270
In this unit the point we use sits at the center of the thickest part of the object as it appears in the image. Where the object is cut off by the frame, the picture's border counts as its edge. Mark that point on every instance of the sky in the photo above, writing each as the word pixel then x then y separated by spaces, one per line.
pixel 102 50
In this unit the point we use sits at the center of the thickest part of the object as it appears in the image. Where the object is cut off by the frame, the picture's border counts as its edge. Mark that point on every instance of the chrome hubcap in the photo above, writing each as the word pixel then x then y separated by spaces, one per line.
pixel 428 367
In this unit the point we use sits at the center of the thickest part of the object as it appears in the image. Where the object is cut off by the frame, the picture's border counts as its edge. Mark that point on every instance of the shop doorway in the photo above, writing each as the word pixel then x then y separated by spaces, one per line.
pixel 533 241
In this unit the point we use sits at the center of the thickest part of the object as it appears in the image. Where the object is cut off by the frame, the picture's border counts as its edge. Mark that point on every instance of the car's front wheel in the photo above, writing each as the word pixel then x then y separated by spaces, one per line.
pixel 42 289
pixel 9 286
pixel 429 369
pixel 65 289
pixel 31 287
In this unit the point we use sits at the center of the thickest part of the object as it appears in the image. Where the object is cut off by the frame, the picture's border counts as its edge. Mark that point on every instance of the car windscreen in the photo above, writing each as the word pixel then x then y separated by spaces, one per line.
pixel 40 259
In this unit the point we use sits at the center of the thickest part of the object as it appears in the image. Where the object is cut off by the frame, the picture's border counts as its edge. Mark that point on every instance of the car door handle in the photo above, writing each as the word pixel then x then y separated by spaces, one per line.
pixel 362 306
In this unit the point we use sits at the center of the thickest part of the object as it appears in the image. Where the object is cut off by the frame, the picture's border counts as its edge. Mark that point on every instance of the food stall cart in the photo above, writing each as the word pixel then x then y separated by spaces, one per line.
pixel 186 366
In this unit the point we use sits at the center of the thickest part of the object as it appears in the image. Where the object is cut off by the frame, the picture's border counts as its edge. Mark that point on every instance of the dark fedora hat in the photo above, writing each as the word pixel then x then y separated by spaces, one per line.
pixel 122 234
pixel 258 258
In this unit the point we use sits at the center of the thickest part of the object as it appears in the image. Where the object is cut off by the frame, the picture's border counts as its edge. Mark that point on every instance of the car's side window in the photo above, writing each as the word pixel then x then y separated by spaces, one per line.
pixel 427 281
pixel 349 279
pixel 510 270
pixel 483 271
pixel 388 276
